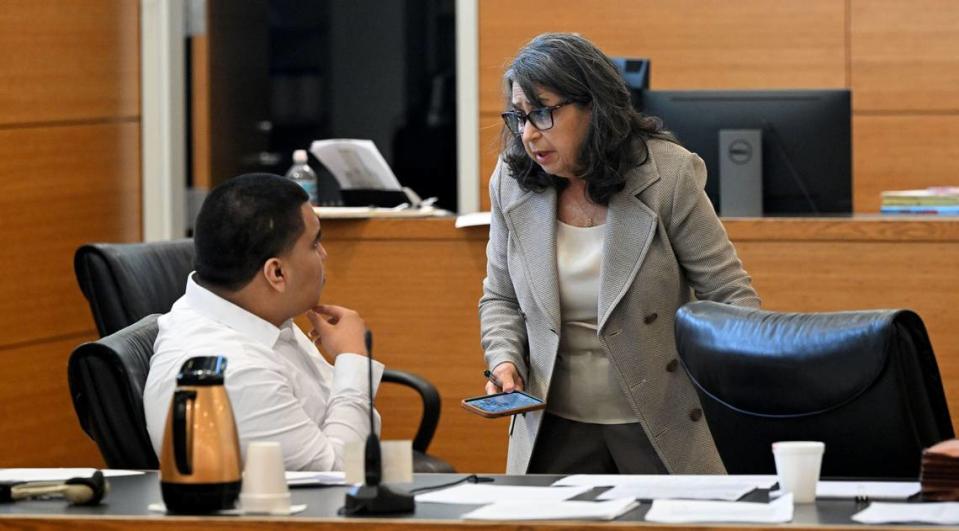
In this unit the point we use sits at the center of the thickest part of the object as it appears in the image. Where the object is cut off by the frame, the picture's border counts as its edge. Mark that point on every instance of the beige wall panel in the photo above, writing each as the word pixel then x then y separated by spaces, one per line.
pixel 894 152
pixel 73 60
pixel 39 427
pixel 60 187
pixel 692 43
pixel 903 55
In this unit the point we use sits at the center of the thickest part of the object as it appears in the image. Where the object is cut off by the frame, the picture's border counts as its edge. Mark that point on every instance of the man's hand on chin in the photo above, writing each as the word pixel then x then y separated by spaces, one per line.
pixel 337 330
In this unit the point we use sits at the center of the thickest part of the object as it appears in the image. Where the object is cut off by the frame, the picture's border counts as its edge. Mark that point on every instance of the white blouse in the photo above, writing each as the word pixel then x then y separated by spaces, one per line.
pixel 584 386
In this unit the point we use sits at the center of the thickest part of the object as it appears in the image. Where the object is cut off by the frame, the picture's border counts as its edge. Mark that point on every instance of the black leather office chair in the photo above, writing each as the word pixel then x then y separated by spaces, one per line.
pixel 865 382
pixel 124 283
pixel 106 380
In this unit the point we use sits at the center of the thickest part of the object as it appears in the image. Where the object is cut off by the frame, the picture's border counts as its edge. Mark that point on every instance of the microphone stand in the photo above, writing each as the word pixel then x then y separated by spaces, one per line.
pixel 372 497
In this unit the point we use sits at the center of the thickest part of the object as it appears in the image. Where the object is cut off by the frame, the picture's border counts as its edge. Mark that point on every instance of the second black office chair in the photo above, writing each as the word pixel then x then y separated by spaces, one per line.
pixel 124 283
pixel 865 382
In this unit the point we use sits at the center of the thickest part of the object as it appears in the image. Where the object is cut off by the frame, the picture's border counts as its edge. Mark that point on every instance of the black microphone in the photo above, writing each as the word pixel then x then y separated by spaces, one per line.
pixel 371 497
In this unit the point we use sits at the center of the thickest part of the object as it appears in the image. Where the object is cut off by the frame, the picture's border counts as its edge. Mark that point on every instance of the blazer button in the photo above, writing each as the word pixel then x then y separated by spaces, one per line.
pixel 671 366
pixel 695 414
pixel 650 318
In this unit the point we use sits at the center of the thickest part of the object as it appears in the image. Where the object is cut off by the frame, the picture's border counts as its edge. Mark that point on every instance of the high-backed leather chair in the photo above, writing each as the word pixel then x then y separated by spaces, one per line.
pixel 127 282
pixel 864 382
pixel 124 282
pixel 106 380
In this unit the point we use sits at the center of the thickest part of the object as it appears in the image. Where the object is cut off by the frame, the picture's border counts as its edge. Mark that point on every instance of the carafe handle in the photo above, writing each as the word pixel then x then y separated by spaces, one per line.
pixel 182 441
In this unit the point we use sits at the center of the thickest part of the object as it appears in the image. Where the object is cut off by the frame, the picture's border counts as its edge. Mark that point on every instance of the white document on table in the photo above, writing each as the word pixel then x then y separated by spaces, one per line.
pixel 690 481
pixel 59 474
pixel 473 219
pixel 356 164
pixel 684 511
pixel 302 478
pixel 328 212
pixel 874 490
pixel 663 490
pixel 941 513
pixel 554 510
pixel 483 494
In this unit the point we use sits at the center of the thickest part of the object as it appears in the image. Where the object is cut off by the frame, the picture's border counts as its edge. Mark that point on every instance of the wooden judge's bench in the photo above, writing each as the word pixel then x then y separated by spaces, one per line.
pixel 417 282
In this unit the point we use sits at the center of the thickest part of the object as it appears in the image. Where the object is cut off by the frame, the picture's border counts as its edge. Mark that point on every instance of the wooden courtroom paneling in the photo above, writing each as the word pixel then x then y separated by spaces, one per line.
pixel 419 295
pixel 902 151
pixel 692 44
pixel 69 174
pixel 73 60
pixel 903 55
pixel 60 187
pixel 39 426
pixel 417 283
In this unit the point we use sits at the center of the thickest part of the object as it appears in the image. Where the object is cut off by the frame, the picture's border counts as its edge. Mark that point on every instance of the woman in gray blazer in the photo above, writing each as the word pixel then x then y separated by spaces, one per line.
pixel 600 231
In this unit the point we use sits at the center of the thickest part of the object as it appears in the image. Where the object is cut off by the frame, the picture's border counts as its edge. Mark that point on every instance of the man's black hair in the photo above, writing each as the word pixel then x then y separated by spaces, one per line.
pixel 243 223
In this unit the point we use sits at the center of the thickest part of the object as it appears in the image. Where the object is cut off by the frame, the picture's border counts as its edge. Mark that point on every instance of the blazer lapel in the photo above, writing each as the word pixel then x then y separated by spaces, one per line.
pixel 630 226
pixel 532 220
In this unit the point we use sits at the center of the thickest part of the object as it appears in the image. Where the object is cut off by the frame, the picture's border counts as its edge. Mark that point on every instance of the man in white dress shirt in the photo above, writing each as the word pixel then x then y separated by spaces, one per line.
pixel 259 263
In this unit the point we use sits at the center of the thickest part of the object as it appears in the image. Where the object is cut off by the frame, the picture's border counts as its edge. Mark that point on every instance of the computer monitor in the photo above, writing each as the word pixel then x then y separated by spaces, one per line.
pixel 636 73
pixel 799 141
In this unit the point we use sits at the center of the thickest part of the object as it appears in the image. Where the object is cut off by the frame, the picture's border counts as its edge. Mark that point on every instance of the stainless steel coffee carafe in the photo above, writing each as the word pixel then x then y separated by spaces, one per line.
pixel 200 463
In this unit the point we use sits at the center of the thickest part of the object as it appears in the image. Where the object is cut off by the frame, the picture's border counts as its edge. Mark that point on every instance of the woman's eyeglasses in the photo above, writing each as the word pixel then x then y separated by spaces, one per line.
pixel 541 118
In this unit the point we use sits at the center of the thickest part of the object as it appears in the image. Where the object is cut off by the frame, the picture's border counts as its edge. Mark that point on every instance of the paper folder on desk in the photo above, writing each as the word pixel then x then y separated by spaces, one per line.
pixel 556 510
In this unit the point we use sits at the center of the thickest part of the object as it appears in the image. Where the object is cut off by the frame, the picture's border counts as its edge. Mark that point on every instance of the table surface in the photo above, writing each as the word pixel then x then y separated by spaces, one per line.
pixel 130 496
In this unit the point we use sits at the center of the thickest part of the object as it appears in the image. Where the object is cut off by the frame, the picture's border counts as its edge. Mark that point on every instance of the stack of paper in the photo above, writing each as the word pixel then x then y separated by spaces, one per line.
pixel 557 510
pixel 689 487
pixel 683 512
pixel 939 474
pixel 941 513
pixel 871 490
pixel 300 479
pixel 482 494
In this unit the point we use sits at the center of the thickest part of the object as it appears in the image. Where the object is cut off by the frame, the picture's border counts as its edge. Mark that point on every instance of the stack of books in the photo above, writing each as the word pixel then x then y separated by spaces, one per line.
pixel 939 475
pixel 940 200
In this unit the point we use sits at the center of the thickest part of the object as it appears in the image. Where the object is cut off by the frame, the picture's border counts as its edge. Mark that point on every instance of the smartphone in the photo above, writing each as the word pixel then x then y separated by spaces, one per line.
pixel 502 404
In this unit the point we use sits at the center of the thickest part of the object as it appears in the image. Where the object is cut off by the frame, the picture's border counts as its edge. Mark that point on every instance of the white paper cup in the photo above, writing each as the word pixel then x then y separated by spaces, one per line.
pixel 264 480
pixel 797 467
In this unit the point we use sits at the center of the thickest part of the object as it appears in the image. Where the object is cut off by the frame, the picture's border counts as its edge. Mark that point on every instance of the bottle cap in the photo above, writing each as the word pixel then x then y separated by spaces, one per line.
pixel 299 156
pixel 202 370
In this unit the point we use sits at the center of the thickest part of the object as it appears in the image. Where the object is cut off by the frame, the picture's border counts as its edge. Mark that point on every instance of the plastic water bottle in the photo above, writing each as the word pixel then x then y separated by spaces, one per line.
pixel 302 174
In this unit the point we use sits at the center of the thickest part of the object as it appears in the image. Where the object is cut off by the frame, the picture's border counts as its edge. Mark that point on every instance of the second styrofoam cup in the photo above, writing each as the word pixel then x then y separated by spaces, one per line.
pixel 264 480
pixel 797 467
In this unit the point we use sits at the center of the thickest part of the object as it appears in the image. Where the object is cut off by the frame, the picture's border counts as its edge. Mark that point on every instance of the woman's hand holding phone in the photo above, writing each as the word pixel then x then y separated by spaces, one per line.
pixel 505 378
pixel 504 394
